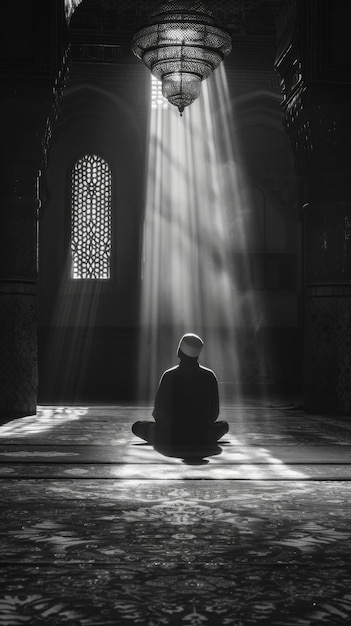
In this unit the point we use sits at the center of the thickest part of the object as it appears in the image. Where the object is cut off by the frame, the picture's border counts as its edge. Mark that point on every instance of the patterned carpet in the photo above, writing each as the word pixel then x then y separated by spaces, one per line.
pixel 99 529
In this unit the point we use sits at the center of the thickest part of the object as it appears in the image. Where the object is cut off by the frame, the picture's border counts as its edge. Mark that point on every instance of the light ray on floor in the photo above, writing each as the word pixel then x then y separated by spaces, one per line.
pixel 46 419
pixel 197 216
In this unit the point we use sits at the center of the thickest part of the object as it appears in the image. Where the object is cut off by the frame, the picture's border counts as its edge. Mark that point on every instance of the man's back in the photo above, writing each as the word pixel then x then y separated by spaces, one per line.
pixel 187 403
pixel 186 407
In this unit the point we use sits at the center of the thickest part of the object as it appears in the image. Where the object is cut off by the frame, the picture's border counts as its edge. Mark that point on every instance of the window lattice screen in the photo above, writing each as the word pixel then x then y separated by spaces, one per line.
pixel 91 231
pixel 158 101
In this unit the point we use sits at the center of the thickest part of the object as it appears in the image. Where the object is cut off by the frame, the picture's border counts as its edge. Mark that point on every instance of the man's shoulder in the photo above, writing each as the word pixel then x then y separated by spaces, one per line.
pixel 206 371
pixel 170 371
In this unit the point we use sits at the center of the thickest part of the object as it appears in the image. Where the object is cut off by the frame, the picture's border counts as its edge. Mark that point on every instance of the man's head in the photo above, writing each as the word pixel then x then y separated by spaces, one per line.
pixel 190 345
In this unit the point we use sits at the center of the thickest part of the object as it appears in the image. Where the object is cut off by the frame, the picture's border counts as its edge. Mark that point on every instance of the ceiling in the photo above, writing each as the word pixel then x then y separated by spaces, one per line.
pixel 101 32
pixel 106 18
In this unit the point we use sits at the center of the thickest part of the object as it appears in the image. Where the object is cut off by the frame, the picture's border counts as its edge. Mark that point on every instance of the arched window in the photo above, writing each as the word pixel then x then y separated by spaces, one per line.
pixel 91 228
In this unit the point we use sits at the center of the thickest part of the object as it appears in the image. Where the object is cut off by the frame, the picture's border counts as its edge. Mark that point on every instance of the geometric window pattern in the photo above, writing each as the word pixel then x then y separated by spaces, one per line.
pixel 158 101
pixel 91 218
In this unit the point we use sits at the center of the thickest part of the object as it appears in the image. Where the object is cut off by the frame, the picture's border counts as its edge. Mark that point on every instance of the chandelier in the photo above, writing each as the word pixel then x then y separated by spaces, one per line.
pixel 181 45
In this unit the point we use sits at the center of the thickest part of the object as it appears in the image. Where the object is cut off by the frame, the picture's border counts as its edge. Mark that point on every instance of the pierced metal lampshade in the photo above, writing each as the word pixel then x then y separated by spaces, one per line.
pixel 181 46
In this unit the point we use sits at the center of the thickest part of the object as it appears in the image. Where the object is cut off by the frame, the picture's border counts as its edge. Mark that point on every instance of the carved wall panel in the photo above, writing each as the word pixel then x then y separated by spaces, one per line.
pixel 18 338
pixel 328 244
pixel 314 64
pixel 327 367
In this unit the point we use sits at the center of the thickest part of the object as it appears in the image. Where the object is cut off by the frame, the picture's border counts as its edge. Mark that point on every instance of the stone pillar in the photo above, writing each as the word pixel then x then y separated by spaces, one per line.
pixel 30 71
pixel 18 270
pixel 314 62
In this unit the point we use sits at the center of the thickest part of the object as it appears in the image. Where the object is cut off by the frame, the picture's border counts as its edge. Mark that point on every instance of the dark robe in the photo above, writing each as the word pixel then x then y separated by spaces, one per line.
pixel 186 405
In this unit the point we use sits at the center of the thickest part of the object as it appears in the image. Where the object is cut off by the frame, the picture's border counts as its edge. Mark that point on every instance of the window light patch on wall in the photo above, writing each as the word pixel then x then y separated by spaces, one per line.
pixel 158 101
pixel 91 218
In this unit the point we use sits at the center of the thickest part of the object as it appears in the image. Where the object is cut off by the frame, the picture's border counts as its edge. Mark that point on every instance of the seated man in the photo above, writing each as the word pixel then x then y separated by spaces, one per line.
pixel 186 407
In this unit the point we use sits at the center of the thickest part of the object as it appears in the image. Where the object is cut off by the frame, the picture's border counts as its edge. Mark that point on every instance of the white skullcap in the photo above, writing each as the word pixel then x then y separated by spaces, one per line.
pixel 191 345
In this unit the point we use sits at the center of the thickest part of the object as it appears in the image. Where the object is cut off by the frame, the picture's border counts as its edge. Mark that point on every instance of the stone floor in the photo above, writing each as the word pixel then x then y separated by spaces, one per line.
pixel 99 529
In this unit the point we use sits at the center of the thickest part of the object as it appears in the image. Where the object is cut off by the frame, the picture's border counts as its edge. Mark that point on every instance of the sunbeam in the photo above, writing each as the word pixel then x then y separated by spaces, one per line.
pixel 197 216
pixel 74 318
